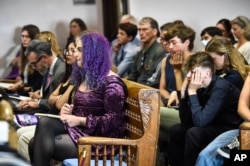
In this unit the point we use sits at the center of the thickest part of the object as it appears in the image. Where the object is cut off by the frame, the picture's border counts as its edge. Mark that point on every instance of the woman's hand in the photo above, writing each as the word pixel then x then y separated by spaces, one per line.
pixel 71 120
pixel 13 88
pixel 35 95
pixel 66 109
pixel 15 61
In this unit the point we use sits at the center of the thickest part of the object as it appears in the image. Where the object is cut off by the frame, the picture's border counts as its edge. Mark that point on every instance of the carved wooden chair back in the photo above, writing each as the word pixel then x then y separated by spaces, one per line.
pixel 139 147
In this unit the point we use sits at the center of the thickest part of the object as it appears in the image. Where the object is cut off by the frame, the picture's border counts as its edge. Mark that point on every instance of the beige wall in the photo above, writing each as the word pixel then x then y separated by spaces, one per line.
pixel 54 15
pixel 51 15
pixel 196 13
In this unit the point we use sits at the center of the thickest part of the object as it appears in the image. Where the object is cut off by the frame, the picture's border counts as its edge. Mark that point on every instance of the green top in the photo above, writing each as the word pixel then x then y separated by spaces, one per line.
pixel 144 69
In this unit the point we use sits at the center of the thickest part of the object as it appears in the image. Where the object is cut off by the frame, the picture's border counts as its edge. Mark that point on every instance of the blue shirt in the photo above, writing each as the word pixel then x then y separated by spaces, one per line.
pixel 124 58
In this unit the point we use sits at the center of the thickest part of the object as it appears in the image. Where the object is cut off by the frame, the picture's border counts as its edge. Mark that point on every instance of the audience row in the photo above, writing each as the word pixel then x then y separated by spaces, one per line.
pixel 199 90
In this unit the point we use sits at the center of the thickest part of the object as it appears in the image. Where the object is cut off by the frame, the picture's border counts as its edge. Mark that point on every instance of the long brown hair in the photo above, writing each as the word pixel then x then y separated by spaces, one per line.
pixel 32 30
pixel 223 46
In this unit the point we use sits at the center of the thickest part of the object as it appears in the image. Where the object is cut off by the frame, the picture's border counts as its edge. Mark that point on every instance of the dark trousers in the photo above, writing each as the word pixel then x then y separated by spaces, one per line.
pixel 187 142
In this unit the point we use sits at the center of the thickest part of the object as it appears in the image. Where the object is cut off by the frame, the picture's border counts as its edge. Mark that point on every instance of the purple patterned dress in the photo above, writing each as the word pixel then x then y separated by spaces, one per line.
pixel 104 109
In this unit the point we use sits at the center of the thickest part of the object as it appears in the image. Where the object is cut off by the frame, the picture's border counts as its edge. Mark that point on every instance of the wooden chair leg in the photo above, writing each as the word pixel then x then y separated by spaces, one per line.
pixel 245 136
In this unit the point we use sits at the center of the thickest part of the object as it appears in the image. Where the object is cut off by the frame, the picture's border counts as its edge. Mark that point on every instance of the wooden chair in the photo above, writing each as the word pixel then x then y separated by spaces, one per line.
pixel 244 134
pixel 247 68
pixel 244 130
pixel 139 147
pixel 6 114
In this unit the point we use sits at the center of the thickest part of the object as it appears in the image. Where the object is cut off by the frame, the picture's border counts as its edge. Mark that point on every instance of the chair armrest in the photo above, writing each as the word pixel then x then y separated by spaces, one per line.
pixel 244 133
pixel 245 126
pixel 85 143
pixel 105 141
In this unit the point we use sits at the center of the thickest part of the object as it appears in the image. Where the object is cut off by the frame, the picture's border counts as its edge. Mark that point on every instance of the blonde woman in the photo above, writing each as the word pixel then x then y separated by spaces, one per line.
pixel 27 79
pixel 241 30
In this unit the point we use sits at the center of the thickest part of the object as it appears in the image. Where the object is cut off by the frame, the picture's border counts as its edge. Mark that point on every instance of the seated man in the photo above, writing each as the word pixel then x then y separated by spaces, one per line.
pixel 208 107
pixel 145 69
pixel 53 68
pixel 227 140
pixel 40 57
pixel 123 58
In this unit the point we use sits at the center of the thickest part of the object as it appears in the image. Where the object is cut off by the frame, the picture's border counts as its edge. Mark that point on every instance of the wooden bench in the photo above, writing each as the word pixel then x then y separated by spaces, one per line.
pixel 139 147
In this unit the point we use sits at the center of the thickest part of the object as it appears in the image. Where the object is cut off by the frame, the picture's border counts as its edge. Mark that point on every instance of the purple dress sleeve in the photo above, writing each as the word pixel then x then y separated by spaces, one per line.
pixel 104 109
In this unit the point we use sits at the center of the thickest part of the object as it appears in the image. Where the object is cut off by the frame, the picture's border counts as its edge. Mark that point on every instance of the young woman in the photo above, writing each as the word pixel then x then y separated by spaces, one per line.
pixel 77 26
pixel 93 111
pixel 27 78
pixel 229 63
pixel 241 30
pixel 65 86
pixel 226 28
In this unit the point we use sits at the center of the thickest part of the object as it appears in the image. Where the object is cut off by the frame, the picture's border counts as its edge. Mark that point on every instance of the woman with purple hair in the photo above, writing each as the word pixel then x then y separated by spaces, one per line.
pixel 98 107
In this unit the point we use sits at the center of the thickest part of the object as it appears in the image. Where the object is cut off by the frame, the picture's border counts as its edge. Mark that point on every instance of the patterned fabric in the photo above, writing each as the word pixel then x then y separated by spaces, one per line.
pixel 104 109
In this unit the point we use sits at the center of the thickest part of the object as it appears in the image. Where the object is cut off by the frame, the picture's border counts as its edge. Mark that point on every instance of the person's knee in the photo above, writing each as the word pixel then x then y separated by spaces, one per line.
pixel 23 140
pixel 25 129
pixel 44 123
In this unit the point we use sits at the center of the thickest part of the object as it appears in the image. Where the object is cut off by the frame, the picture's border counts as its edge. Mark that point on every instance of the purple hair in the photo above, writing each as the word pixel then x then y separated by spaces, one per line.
pixel 96 61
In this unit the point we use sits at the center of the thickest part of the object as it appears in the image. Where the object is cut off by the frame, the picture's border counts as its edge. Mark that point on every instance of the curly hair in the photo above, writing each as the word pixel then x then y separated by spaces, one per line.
pixel 96 62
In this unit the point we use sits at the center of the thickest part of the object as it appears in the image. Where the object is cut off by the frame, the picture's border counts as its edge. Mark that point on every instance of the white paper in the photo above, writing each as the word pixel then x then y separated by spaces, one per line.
pixel 5 85
pixel 4 128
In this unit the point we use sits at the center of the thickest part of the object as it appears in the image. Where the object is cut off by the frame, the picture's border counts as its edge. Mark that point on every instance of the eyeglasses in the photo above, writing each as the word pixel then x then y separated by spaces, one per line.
pixel 33 64
pixel 79 49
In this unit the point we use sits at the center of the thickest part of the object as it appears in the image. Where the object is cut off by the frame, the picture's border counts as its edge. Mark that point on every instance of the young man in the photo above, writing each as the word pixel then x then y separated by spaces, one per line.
pixel 127 18
pixel 178 40
pixel 208 107
pixel 145 68
pixel 123 58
